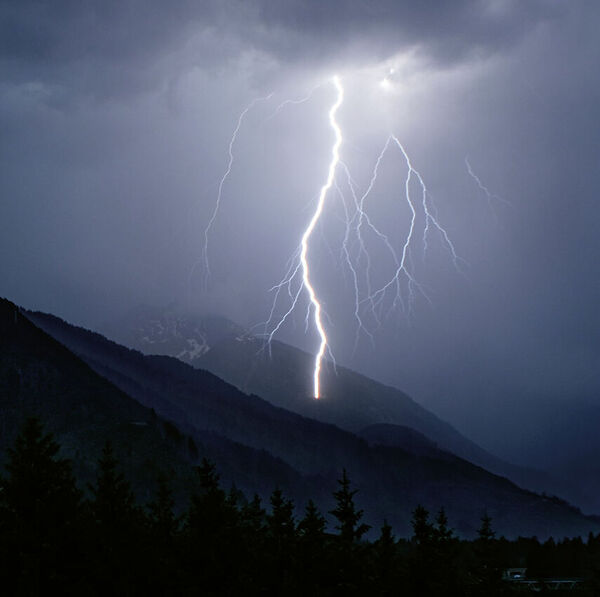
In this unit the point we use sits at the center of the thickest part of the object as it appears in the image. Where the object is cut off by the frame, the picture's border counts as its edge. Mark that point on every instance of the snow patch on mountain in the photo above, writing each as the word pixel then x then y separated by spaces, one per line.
pixel 195 349
pixel 174 333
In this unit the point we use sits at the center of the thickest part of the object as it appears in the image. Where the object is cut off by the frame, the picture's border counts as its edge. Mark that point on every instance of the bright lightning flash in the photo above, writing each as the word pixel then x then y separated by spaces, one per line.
pixel 335 159
pixel 355 251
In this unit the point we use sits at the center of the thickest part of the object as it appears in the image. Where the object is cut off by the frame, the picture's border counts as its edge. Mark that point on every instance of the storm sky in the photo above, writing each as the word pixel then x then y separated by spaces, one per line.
pixel 115 121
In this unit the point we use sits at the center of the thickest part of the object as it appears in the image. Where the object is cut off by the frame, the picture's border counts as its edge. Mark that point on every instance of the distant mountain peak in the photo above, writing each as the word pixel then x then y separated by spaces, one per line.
pixel 170 331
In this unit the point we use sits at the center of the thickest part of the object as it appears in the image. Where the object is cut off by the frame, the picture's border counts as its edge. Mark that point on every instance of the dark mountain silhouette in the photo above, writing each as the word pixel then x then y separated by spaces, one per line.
pixel 568 444
pixel 392 480
pixel 282 375
pixel 386 434
pixel 40 377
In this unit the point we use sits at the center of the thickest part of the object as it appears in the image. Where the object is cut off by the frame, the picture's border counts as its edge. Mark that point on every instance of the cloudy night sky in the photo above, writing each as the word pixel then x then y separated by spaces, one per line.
pixel 115 124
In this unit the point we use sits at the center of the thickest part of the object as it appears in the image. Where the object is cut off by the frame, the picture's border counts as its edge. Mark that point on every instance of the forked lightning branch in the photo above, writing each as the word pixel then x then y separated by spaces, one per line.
pixel 297 289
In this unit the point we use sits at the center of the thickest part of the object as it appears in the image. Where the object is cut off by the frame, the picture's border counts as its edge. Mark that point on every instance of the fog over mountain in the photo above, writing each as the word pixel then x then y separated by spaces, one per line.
pixel 115 124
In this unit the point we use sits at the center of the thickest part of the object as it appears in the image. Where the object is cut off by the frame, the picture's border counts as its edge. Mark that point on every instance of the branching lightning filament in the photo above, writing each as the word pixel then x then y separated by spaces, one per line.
pixel 361 231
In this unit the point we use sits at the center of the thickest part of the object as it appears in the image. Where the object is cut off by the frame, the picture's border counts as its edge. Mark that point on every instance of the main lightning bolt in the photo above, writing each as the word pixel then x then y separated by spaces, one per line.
pixel 335 159
pixel 368 299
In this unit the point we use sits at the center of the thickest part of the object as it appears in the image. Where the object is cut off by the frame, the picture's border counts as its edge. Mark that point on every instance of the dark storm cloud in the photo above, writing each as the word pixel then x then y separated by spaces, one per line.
pixel 113 47
pixel 96 48
pixel 444 31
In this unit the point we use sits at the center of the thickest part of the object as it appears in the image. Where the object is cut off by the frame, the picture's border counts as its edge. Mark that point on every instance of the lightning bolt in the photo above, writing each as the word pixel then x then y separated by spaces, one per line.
pixel 291 102
pixel 488 194
pixel 335 158
pixel 360 231
pixel 225 176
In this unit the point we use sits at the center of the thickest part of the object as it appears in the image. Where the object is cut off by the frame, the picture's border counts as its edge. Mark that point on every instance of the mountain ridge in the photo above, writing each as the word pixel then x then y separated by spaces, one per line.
pixel 41 377
pixel 281 374
pixel 392 481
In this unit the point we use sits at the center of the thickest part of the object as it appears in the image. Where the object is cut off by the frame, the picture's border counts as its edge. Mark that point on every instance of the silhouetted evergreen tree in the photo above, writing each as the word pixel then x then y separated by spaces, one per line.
pixel 39 517
pixel 432 563
pixel 422 558
pixel 116 530
pixel 280 522
pixel 348 517
pixel 488 573
pixel 253 517
pixel 163 553
pixel 442 533
pixel 485 533
pixel 349 557
pixel 281 534
pixel 386 564
pixel 445 578
pixel 423 530
pixel 162 520
pixel 253 571
pixel 213 536
pixel 312 555
pixel 113 503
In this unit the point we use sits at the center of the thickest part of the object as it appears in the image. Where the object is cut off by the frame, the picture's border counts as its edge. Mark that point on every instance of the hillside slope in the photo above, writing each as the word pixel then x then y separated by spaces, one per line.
pixel 283 374
pixel 392 480
pixel 41 377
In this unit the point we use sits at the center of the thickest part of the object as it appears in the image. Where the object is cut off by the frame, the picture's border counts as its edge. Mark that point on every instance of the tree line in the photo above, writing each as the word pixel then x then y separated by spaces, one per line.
pixel 57 539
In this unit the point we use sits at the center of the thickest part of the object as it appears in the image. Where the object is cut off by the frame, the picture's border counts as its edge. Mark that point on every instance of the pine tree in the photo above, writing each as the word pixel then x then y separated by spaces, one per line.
pixel 350 559
pixel 445 577
pixel 113 504
pixel 311 529
pixel 116 528
pixel 346 513
pixel 422 559
pixel 485 533
pixel 164 525
pixel 211 513
pixel 162 554
pixel 253 546
pixel 253 518
pixel 488 569
pixel 281 529
pixel 442 532
pixel 280 522
pixel 313 564
pixel 208 477
pixel 423 531
pixel 386 565
pixel 213 533
pixel 39 515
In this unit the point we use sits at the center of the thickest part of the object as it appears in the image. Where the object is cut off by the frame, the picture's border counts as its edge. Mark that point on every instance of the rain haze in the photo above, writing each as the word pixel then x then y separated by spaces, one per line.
pixel 115 124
